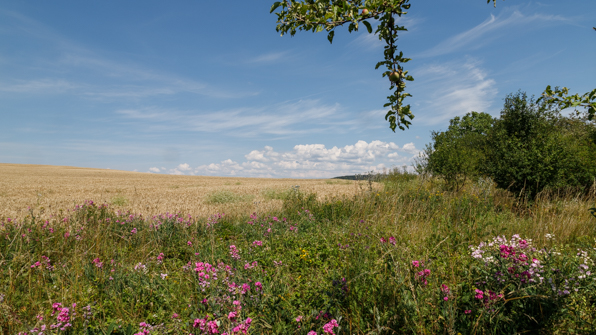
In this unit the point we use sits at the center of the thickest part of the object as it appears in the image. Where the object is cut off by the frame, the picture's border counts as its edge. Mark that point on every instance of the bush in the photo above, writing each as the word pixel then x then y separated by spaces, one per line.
pixel 456 154
pixel 532 148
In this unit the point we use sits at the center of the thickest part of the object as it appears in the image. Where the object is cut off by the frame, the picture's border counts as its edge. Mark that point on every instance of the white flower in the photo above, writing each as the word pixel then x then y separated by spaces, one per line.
pixel 164 275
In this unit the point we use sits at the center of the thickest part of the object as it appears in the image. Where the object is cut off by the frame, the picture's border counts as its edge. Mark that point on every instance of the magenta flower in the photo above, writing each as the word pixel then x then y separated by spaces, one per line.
pixel 479 294
pixel 416 264
pixel 328 328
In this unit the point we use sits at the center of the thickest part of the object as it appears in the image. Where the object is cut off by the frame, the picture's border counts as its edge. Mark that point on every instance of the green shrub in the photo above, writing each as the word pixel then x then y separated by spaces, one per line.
pixel 532 148
pixel 457 154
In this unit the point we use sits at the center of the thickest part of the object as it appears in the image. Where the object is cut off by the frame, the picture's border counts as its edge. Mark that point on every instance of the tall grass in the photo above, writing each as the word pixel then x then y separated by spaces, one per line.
pixel 358 260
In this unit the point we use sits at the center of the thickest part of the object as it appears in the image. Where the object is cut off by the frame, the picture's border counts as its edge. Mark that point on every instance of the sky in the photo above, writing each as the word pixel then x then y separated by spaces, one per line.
pixel 210 88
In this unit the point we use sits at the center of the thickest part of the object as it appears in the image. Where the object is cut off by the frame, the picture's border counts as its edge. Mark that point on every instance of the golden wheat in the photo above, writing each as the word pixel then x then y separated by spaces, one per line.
pixel 51 188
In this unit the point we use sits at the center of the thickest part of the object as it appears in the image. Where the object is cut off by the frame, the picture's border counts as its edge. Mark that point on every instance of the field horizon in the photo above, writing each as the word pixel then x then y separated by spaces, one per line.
pixel 63 187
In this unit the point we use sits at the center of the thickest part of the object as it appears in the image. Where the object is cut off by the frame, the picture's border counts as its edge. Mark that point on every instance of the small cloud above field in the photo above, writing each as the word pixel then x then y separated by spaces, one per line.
pixel 310 161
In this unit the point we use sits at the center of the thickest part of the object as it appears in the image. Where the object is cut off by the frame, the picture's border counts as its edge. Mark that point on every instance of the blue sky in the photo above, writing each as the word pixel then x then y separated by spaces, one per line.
pixel 210 88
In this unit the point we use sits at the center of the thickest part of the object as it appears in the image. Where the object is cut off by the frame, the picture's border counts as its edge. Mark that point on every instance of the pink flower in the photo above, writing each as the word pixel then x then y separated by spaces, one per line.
pixel 445 288
pixel 234 252
pixel 446 298
pixel 479 294
pixel 467 311
pixel 312 332
pixel 299 318
pixel 392 240
pixel 66 235
pixel 257 243
pixel 259 286
pixel 416 264
pixel 328 328
pixel 189 243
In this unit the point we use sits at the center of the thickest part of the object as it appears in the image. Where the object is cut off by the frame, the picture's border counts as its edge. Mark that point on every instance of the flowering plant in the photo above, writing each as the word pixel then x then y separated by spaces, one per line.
pixel 521 287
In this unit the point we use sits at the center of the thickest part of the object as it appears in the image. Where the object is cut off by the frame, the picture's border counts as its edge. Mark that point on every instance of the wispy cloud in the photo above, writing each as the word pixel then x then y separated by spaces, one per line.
pixel 285 119
pixel 455 89
pixel 99 75
pixel 268 57
pixel 488 30
pixel 45 85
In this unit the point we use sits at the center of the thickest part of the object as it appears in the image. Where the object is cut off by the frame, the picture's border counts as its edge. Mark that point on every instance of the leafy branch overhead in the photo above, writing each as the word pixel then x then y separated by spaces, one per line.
pixel 326 15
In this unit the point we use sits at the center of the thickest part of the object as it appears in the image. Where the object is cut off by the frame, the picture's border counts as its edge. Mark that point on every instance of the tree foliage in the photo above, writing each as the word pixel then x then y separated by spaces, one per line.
pixel 326 15
pixel 531 147
pixel 456 154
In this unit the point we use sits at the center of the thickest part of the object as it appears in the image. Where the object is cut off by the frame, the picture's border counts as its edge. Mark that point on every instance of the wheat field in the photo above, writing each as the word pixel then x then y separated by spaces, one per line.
pixel 52 188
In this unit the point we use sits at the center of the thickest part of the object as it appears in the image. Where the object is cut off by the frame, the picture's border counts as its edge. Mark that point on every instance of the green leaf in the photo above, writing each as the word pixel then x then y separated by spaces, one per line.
pixel 368 26
pixel 274 6
pixel 111 328
pixel 330 36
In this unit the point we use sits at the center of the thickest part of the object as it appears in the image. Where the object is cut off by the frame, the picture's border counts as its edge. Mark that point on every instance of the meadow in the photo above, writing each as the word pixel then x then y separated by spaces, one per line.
pixel 401 256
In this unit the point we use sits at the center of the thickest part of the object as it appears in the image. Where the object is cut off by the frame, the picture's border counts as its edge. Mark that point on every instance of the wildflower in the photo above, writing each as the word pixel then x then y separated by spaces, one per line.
pixel 416 264
pixel 328 328
pixel 467 311
pixel 234 252
pixel 164 275
pixel 66 235
pixel 98 263
pixel 133 231
pixel 479 294
pixel 259 286
pixel 392 240
pixel 189 243
pixel 159 258
pixel 175 316
pixel 257 243
pixel 299 318
pixel 312 332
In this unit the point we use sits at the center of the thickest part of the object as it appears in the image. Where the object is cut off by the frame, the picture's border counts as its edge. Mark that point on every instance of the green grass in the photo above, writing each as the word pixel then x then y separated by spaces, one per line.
pixel 226 197
pixel 347 259
pixel 276 194
pixel 119 200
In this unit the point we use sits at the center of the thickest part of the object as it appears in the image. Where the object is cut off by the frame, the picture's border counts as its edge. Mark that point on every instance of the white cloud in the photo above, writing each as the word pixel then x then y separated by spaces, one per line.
pixel 268 58
pixel 184 167
pixel 452 89
pixel 486 31
pixel 154 169
pixel 45 85
pixel 314 161
pixel 284 119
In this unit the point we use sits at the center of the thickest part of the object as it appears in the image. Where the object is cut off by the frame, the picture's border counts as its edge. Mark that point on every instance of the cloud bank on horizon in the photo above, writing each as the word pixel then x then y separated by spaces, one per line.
pixel 308 161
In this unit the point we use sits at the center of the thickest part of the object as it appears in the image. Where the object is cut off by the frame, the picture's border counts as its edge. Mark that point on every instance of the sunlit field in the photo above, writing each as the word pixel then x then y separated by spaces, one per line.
pixel 107 252
pixel 57 187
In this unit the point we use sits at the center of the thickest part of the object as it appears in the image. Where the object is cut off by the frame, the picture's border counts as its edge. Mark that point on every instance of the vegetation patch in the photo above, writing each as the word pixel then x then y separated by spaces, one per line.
pixel 226 197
